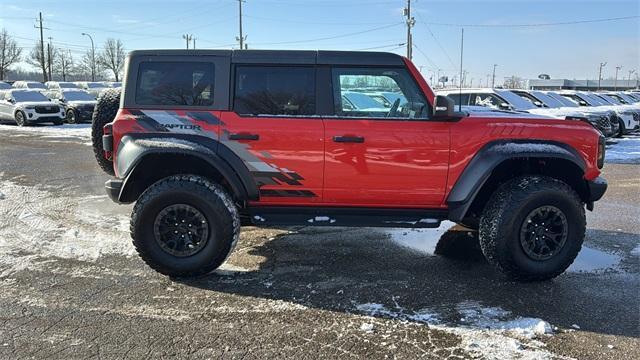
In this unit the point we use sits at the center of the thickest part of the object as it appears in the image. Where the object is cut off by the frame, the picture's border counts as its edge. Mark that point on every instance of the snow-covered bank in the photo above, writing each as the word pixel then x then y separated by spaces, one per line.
pixel 80 131
pixel 624 151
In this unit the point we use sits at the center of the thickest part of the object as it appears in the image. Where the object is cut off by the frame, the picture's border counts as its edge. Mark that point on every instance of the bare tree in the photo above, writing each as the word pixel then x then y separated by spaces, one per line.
pixel 9 52
pixel 38 58
pixel 64 64
pixel 112 57
pixel 87 66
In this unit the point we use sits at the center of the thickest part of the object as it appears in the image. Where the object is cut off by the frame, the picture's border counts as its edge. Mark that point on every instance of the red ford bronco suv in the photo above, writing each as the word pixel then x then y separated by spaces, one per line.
pixel 205 141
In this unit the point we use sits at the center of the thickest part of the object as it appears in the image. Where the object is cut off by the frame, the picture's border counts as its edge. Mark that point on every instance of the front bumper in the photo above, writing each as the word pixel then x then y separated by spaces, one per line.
pixel 113 188
pixel 597 187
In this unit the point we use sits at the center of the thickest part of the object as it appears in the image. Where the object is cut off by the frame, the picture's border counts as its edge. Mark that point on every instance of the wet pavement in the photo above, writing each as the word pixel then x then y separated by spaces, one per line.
pixel 71 285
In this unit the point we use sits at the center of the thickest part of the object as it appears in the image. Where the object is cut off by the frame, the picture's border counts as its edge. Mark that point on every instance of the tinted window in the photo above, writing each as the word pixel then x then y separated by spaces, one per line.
pixel 377 92
pixel 78 96
pixel 271 90
pixel 175 83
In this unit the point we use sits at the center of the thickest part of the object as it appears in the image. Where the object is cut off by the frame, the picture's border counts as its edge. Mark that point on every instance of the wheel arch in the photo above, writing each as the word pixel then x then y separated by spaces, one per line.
pixel 502 160
pixel 143 161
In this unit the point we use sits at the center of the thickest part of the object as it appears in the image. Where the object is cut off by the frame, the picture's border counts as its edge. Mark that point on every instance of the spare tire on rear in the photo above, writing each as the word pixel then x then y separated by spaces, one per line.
pixel 104 113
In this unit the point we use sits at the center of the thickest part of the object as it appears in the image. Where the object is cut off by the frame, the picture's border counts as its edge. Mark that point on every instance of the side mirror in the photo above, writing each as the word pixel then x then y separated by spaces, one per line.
pixel 583 103
pixel 13 101
pixel 537 103
pixel 444 107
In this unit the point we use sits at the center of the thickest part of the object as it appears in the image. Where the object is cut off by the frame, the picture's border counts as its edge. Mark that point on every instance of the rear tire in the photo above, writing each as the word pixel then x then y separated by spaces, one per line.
pixel 104 113
pixel 207 226
pixel 513 234
pixel 622 129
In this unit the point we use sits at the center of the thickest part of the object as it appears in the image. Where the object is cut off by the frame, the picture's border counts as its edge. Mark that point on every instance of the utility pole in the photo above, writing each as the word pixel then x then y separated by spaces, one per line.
pixel 188 38
pixel 600 73
pixel 615 82
pixel 93 57
pixel 240 38
pixel 194 42
pixel 410 23
pixel 493 81
pixel 42 62
pixel 49 46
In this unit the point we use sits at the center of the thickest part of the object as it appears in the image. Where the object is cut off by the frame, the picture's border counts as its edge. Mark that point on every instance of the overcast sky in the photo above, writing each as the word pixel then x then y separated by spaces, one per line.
pixel 562 51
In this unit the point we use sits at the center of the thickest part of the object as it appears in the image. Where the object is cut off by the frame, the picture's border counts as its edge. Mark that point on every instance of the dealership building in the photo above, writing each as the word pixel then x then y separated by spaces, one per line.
pixel 590 85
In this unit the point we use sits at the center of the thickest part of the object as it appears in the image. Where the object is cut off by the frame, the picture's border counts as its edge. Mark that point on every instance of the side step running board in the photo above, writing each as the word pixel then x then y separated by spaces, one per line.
pixel 360 217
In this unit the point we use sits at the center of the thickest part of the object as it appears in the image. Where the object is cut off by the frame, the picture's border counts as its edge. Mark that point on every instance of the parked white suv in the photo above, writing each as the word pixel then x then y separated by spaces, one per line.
pixel 27 107
pixel 57 85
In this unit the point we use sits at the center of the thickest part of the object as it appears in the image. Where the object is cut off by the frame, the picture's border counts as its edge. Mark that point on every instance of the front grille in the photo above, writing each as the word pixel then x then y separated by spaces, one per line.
pixel 603 122
pixel 47 109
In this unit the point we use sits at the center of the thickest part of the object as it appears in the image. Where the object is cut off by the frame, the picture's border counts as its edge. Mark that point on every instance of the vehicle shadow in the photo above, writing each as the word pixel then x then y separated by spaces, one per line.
pixel 339 269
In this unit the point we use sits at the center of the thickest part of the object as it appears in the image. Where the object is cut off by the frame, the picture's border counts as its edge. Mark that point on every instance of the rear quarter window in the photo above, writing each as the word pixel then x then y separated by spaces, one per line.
pixel 175 83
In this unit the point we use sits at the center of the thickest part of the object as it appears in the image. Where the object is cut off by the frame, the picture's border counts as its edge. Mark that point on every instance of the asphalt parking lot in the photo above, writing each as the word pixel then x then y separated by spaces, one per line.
pixel 71 285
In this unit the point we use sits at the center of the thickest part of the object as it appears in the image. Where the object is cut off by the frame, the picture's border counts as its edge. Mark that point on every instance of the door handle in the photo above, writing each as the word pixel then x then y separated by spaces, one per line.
pixel 244 136
pixel 348 139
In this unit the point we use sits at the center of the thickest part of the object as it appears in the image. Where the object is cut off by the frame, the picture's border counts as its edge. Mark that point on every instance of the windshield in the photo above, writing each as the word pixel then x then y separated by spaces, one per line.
pixel 22 96
pixel 36 85
pixel 361 101
pixel 4 85
pixel 515 100
pixel 628 98
pixel 613 99
pixel 77 96
pixel 593 100
pixel 547 100
pixel 565 101
pixel 67 85
pixel 95 85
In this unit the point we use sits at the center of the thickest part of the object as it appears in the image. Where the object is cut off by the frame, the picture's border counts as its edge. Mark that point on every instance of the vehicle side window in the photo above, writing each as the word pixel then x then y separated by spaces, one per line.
pixel 377 93
pixel 460 99
pixel 175 83
pixel 487 100
pixel 275 90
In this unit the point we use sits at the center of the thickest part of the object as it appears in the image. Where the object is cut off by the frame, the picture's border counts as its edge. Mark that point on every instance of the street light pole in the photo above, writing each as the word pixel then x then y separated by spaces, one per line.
pixel 493 81
pixel 615 82
pixel 600 73
pixel 93 58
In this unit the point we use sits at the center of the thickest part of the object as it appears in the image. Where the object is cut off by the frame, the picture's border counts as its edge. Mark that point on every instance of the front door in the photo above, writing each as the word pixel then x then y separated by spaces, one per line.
pixel 274 130
pixel 381 148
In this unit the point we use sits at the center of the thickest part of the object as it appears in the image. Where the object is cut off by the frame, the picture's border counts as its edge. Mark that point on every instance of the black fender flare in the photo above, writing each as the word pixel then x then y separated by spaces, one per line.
pixel 135 148
pixel 479 169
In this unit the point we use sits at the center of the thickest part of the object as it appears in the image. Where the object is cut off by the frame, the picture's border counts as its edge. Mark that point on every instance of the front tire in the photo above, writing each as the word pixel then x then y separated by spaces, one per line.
pixel 72 117
pixel 532 228
pixel 21 118
pixel 185 226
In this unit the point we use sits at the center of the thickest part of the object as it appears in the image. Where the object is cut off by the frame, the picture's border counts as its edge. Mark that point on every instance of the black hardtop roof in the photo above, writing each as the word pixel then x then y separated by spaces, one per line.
pixel 321 57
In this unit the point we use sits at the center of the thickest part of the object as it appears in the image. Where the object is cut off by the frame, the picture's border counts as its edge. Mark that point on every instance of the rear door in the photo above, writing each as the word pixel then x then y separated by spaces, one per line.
pixel 383 153
pixel 274 129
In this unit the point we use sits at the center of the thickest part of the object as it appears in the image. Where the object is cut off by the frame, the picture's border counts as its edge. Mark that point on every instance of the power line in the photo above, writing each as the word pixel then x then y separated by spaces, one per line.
pixel 426 24
pixel 331 37
pixel 537 24
pixel 426 56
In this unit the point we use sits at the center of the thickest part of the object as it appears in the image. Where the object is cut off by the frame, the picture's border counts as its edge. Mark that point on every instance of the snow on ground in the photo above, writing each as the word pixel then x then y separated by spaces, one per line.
pixel 422 240
pixel 35 224
pixel 486 332
pixel 624 151
pixel 66 131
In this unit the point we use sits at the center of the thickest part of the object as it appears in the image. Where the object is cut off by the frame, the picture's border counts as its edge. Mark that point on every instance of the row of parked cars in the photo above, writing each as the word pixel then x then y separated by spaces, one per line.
pixel 614 114
pixel 30 102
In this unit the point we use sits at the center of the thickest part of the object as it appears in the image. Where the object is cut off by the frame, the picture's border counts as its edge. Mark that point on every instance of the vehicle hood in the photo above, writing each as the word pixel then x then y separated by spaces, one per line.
pixel 36 103
pixel 82 102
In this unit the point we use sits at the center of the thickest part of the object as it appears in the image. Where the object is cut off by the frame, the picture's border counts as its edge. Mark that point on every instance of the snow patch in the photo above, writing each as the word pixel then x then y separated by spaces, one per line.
pixel 636 251
pixel 485 332
pixel 38 224
pixel 422 240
